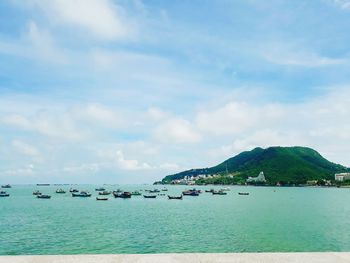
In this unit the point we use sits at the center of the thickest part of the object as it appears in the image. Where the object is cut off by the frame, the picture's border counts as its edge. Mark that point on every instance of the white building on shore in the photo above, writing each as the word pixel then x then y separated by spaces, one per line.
pixel 259 179
pixel 342 177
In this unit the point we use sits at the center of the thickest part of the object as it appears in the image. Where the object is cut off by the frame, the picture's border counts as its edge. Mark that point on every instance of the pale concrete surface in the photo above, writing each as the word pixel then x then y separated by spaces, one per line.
pixel 187 258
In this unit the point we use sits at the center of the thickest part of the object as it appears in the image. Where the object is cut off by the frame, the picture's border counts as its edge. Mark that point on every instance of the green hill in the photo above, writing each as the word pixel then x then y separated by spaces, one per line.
pixel 280 164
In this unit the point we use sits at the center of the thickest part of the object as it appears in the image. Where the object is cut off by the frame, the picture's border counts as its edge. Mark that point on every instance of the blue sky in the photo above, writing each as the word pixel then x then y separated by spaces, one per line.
pixel 129 91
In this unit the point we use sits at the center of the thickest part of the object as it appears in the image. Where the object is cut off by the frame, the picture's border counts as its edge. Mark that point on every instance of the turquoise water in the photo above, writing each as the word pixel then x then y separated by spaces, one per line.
pixel 269 219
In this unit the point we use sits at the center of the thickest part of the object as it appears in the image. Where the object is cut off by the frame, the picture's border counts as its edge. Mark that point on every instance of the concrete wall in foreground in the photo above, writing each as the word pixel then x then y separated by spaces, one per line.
pixel 187 258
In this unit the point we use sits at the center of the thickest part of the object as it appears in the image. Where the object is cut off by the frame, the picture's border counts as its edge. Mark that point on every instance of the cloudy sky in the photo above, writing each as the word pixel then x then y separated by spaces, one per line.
pixel 127 91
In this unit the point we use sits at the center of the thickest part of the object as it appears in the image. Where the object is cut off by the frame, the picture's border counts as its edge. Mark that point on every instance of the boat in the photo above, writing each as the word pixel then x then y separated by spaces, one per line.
pixel 225 189
pixel 43 196
pixel 150 196
pixel 122 195
pixel 104 193
pixel 6 186
pixel 219 193
pixel 175 197
pixel 209 191
pixel 101 189
pixel 98 198
pixel 43 184
pixel 37 192
pixel 154 191
pixel 192 192
pixel 241 193
pixel 60 191
pixel 74 190
pixel 4 194
pixel 81 194
pixel 135 193
pixel 164 189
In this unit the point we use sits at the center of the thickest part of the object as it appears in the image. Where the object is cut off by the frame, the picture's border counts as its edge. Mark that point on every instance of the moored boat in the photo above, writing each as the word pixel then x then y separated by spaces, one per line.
pixel 37 192
pixel 98 198
pixel 192 192
pixel 122 194
pixel 243 193
pixel 219 193
pixel 81 194
pixel 154 191
pixel 209 191
pixel 60 191
pixel 43 196
pixel 4 194
pixel 6 186
pixel 175 197
pixel 135 193
pixel 104 193
pixel 101 189
pixel 164 189
pixel 150 196
pixel 74 190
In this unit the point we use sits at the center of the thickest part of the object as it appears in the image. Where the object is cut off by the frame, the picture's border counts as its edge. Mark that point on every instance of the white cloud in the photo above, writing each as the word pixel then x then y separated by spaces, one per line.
pixel 85 167
pixel 236 117
pixel 130 164
pixel 54 125
pixel 25 148
pixel 176 130
pixel 27 170
pixel 343 4
pixel 43 44
pixel 102 19
pixel 294 55
pixel 98 114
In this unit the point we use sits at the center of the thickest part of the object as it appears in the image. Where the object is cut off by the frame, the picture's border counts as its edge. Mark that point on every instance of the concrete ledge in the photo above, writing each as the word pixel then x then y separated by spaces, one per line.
pixel 187 258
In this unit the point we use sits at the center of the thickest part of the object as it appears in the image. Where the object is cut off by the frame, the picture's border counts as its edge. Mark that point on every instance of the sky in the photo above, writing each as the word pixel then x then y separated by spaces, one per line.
pixel 128 91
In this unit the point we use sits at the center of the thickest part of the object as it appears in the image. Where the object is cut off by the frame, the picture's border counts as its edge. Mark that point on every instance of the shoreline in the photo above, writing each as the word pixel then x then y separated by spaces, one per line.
pixel 312 257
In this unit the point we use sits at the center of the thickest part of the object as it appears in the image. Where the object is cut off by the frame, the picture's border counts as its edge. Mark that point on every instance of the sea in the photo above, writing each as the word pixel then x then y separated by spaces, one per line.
pixel 269 219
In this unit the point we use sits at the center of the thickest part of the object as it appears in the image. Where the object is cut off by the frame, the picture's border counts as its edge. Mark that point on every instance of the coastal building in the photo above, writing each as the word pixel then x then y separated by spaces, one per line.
pixel 259 179
pixel 342 177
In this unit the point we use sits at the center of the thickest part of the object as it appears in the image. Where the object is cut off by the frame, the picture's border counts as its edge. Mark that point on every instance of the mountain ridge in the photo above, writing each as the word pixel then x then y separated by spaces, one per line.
pixel 294 164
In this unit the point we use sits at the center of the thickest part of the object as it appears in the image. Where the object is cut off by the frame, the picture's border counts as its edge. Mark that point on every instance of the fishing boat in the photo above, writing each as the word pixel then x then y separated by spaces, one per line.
pixel 60 191
pixel 243 193
pixel 101 189
pixel 192 192
pixel 74 190
pixel 122 195
pixel 135 193
pixel 98 198
pixel 37 192
pixel 43 196
pixel 175 197
pixel 104 193
pixel 4 194
pixel 81 194
pixel 150 196
pixel 6 186
pixel 219 193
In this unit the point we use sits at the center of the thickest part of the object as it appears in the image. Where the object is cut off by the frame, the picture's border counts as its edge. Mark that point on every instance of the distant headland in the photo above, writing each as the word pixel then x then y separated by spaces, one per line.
pixel 280 166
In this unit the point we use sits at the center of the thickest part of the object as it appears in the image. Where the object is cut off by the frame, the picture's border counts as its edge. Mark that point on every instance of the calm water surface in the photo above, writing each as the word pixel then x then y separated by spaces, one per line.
pixel 268 220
